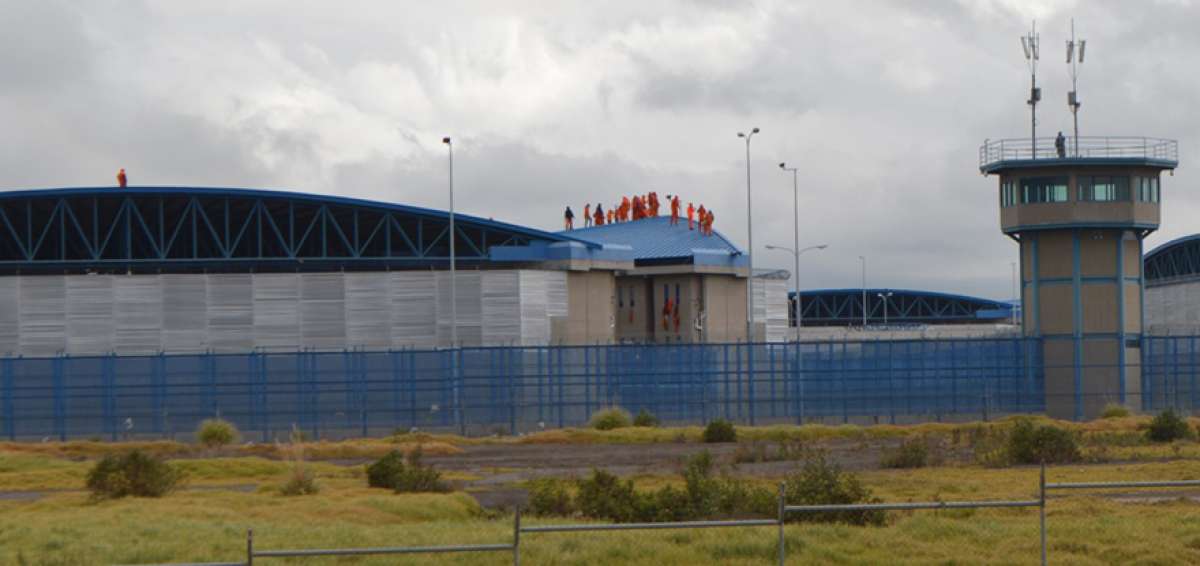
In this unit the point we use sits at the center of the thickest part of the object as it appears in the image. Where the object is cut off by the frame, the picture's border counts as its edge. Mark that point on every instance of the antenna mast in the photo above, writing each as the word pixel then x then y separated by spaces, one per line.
pixel 1030 44
pixel 1074 59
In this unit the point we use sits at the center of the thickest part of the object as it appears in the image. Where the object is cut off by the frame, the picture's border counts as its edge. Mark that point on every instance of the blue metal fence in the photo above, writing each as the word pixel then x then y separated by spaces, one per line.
pixel 1170 367
pixel 480 390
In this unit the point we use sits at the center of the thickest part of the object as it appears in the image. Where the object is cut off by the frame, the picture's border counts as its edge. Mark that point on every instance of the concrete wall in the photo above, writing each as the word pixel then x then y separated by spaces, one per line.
pixel 1173 308
pixel 1074 211
pixel 143 314
pixel 1083 296
pixel 591 308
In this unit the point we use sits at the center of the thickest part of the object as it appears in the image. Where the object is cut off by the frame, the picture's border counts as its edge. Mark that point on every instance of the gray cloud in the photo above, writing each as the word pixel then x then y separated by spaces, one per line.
pixel 881 104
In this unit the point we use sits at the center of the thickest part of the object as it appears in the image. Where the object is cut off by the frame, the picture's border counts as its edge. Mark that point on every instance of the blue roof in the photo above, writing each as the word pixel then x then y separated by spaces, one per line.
pixel 655 239
pixel 158 229
pixel 839 307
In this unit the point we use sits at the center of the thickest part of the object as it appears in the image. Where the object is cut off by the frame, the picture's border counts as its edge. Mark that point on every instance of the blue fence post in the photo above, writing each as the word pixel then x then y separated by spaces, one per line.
pixel 1192 375
pixel 108 381
pixel 158 378
pixel 1147 371
pixel 6 398
pixel 60 398
pixel 891 364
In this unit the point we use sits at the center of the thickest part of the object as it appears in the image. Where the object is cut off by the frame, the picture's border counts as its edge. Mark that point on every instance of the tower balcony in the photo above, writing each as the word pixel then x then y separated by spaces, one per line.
pixel 1017 153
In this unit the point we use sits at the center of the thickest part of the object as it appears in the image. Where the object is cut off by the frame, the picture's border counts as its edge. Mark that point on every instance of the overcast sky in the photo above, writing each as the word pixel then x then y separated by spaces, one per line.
pixel 882 106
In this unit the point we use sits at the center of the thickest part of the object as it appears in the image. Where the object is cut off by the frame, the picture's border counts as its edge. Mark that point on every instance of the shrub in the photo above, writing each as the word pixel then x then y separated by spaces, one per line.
pixel 609 419
pixel 720 430
pixel 405 474
pixel 605 496
pixel 912 453
pixel 1114 411
pixel 1167 426
pixel 301 480
pixel 1029 443
pixel 549 497
pixel 215 433
pixel 645 418
pixel 820 482
pixel 383 471
pixel 133 474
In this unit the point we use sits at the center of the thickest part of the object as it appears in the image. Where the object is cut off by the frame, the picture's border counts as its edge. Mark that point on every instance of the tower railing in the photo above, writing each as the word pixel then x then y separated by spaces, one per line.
pixel 1084 147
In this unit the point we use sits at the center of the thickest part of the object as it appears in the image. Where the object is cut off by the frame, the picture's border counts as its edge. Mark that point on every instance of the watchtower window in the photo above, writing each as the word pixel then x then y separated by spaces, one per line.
pixel 1008 193
pixel 1146 189
pixel 1103 188
pixel 1043 189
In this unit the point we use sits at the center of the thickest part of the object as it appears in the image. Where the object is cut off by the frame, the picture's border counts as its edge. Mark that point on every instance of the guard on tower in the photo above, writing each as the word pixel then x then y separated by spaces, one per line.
pixel 1060 145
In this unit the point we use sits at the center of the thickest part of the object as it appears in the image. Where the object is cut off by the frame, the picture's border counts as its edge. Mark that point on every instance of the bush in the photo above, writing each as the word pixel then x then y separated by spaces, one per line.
pixel 610 419
pixel 215 433
pixel 720 430
pixel 1168 426
pixel 300 482
pixel 1029 443
pixel 383 471
pixel 133 474
pixel 605 496
pixel 820 482
pixel 912 453
pixel 645 418
pixel 405 474
pixel 549 497
pixel 1114 411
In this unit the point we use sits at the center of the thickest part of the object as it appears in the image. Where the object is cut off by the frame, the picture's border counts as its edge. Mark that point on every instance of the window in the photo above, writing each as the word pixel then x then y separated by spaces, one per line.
pixel 1043 189
pixel 1008 193
pixel 1103 188
pixel 1146 189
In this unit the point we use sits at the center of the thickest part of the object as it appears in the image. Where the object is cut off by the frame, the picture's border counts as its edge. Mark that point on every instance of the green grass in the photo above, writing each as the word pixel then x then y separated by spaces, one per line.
pixel 207 520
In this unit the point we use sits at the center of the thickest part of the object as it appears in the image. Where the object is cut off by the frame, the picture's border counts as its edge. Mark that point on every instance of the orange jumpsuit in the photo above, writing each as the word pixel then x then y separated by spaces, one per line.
pixel 121 177
pixel 653 204
pixel 691 211
pixel 708 223
pixel 637 208
pixel 610 216
pixel 599 217
pixel 587 215
pixel 668 308
pixel 675 211
pixel 701 217
pixel 624 209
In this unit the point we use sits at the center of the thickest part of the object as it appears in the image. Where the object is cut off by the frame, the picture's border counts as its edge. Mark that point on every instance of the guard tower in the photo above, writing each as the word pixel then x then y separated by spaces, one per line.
pixel 1080 212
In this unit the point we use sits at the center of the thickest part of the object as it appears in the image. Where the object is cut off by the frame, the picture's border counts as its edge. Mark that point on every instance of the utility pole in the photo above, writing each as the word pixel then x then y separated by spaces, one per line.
pixel 1074 59
pixel 1032 53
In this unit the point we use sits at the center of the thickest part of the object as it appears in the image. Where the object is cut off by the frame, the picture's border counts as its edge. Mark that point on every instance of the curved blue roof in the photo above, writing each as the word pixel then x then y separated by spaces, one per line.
pixel 842 307
pixel 655 240
pixel 165 227
pixel 1175 259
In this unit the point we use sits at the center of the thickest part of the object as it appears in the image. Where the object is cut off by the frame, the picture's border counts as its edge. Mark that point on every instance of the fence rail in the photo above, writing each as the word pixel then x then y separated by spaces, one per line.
pixel 1123 147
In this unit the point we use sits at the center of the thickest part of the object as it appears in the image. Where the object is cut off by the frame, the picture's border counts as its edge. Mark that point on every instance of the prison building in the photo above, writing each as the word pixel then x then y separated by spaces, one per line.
pixel 87 271
pixel 1173 287
pixel 894 308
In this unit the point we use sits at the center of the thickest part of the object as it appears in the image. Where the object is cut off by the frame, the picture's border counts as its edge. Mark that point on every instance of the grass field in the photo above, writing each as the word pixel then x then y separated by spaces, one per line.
pixel 234 490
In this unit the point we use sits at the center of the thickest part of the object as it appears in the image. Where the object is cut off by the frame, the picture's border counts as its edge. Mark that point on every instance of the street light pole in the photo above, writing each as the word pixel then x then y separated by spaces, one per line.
pixel 795 239
pixel 749 243
pixel 885 297
pixel 864 289
pixel 799 312
pixel 453 282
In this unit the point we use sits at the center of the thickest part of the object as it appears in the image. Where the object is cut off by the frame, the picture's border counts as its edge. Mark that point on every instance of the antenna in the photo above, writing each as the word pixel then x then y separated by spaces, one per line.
pixel 1075 50
pixel 1029 44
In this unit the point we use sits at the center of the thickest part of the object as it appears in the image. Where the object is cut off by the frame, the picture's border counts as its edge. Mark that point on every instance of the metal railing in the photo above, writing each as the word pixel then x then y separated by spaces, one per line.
pixel 779 521
pixel 1085 147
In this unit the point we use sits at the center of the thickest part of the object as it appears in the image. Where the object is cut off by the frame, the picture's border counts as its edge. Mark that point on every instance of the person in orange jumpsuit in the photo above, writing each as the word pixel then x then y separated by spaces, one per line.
pixel 587 215
pixel 708 222
pixel 637 207
pixel 701 216
pixel 675 210
pixel 691 211
pixel 569 219
pixel 624 209
pixel 610 216
pixel 121 178
pixel 653 196
pixel 599 214
pixel 668 308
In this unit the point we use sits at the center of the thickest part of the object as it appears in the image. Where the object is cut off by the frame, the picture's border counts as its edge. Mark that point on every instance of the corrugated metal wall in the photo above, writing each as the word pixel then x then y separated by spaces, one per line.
pixel 770 306
pixel 235 313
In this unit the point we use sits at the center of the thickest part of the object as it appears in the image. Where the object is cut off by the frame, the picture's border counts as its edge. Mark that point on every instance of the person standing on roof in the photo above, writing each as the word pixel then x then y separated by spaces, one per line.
pixel 708 222
pixel 701 216
pixel 599 215
pixel 121 178
pixel 569 219
pixel 610 216
pixel 675 210
pixel 691 212
pixel 637 207
pixel 587 214
pixel 653 204
pixel 623 212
